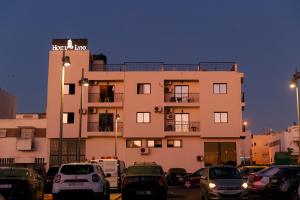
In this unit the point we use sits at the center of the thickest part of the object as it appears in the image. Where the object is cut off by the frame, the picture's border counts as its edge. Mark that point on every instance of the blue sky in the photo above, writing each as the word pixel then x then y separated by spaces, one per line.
pixel 262 36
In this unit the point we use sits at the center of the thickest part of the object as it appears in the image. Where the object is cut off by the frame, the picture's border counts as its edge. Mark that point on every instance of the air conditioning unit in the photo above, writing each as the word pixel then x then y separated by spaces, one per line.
pixel 92 110
pixel 170 116
pixel 158 109
pixel 168 82
pixel 168 110
pixel 168 90
pixel 144 151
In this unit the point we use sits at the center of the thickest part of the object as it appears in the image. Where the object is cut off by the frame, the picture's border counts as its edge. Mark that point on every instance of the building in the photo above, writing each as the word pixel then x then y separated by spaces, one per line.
pixel 260 148
pixel 176 115
pixel 23 140
pixel 7 105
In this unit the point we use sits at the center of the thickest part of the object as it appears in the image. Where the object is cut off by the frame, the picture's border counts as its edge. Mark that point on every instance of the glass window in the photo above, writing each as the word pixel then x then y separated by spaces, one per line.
pixel 143 88
pixel 133 143
pixel 220 88
pixel 174 143
pixel 217 153
pixel 143 117
pixel 68 118
pixel 181 93
pixel 77 169
pixel 154 143
pixel 69 89
pixel 181 122
pixel 221 117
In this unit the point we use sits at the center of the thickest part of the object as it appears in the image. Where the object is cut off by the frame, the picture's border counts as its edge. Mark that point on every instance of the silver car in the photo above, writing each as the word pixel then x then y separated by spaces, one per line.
pixel 223 182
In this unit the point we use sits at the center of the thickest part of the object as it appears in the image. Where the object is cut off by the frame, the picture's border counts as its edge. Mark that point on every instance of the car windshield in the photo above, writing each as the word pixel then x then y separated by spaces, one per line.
pixel 224 173
pixel 52 171
pixel 269 171
pixel 144 170
pixel 76 169
pixel 177 171
pixel 14 173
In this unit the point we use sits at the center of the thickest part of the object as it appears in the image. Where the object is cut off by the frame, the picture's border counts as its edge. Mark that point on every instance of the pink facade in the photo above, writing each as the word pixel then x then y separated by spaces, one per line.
pixel 179 114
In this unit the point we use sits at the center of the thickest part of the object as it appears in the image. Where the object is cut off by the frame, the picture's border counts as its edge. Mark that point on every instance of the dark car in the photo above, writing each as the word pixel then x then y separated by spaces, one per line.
pixel 284 181
pixel 52 171
pixel 144 181
pixel 174 174
pixel 192 180
pixel 245 171
pixel 21 184
pixel 223 182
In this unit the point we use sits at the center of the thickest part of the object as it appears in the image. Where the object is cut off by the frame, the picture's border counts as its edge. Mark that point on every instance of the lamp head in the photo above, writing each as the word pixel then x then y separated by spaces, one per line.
pixel 117 116
pixel 293 83
pixel 245 123
pixel 66 61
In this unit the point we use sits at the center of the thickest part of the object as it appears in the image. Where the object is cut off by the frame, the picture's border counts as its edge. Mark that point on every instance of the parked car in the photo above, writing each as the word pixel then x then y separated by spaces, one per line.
pixel 284 182
pixel 76 179
pixel 245 171
pixel 222 182
pixel 21 184
pixel 192 180
pixel 52 171
pixel 258 182
pixel 174 174
pixel 144 180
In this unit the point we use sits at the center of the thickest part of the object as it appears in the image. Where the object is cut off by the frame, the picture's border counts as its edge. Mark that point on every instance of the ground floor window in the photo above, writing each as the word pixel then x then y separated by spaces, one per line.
pixel 217 153
pixel 69 148
pixel 133 143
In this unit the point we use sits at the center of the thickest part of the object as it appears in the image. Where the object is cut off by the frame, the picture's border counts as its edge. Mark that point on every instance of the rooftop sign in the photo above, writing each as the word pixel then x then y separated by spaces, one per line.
pixel 69 44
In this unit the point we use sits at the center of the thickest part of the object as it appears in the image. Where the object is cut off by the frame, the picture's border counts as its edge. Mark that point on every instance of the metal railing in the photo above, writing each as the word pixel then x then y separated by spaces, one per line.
pixel 159 66
pixel 182 97
pixel 101 97
pixel 96 127
pixel 182 126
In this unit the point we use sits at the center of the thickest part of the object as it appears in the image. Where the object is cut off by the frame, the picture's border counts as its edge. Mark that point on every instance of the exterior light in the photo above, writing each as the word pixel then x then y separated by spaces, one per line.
pixel 212 185
pixel 292 84
pixel 245 185
pixel 66 61
pixel 245 123
pixel 116 133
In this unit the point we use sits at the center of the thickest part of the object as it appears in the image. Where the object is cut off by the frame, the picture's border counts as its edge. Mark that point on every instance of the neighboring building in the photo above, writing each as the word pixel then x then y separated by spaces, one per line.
pixel 176 115
pixel 246 147
pixel 7 105
pixel 260 148
pixel 23 140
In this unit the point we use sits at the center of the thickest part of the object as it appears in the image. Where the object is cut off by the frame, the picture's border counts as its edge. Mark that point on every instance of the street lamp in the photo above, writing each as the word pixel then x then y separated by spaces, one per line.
pixel 116 135
pixel 82 82
pixel 65 63
pixel 294 84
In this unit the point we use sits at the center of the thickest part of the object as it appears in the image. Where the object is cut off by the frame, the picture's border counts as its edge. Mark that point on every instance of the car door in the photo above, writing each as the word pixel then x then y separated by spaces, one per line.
pixel 195 177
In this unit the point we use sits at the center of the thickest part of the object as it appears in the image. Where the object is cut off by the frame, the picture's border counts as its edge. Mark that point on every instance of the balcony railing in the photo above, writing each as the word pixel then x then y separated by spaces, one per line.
pixel 96 127
pixel 99 97
pixel 182 126
pixel 158 66
pixel 182 97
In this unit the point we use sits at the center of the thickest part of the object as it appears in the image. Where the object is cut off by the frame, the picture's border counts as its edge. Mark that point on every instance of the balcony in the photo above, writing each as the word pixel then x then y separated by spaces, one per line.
pixel 182 127
pixel 96 127
pixel 102 98
pixel 182 97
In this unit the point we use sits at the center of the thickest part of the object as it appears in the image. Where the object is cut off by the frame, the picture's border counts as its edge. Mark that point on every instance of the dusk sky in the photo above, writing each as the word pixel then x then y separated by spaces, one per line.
pixel 262 36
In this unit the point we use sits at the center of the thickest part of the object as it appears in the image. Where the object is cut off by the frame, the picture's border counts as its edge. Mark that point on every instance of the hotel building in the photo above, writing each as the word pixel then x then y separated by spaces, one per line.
pixel 178 115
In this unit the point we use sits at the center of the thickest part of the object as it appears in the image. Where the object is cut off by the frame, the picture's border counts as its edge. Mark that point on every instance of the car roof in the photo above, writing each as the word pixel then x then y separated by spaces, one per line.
pixel 221 166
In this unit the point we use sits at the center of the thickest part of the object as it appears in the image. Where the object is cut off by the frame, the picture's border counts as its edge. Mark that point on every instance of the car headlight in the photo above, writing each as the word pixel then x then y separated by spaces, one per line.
pixel 245 185
pixel 212 185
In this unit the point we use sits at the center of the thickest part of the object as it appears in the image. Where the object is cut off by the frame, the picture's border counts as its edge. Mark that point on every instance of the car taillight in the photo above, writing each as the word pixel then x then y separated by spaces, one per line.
pixel 57 178
pixel 161 181
pixel 257 178
pixel 125 182
pixel 95 178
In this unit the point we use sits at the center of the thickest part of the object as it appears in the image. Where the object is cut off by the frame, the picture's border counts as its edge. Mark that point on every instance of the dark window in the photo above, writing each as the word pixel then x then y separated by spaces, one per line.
pixel 69 89
pixel 68 118
pixel 144 170
pixel 217 153
pixel 77 169
pixel 224 173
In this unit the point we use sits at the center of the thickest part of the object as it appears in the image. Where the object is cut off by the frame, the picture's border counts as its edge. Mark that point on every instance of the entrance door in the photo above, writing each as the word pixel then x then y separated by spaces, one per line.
pixel 182 93
pixel 181 122
pixel 217 153
pixel 106 122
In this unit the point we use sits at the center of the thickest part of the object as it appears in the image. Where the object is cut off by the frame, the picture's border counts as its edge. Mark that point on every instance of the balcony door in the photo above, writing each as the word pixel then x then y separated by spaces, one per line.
pixel 181 93
pixel 106 93
pixel 106 122
pixel 181 122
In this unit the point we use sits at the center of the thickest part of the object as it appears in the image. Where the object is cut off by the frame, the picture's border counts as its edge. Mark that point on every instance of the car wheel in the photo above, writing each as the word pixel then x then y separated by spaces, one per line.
pixel 187 184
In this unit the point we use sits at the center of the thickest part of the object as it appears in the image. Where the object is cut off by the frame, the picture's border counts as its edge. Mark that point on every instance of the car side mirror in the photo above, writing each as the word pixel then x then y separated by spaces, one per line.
pixel 108 175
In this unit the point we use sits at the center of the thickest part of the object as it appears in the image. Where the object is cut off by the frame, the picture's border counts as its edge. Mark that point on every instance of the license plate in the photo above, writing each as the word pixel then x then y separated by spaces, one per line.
pixel 75 184
pixel 274 181
pixel 4 186
pixel 143 192
pixel 229 192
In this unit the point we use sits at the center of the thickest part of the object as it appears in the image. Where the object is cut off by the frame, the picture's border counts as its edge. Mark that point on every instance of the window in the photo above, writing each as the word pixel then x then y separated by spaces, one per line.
pixel 69 89
pixel 68 118
pixel 221 117
pixel 217 153
pixel 2 132
pixel 143 117
pixel 174 143
pixel 220 88
pixel 130 143
pixel 143 88
pixel 181 122
pixel 154 143
pixel 181 93
pixel 27 133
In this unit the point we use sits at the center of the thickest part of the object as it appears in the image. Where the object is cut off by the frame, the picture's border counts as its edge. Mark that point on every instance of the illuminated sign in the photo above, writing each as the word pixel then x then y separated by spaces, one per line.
pixel 69 44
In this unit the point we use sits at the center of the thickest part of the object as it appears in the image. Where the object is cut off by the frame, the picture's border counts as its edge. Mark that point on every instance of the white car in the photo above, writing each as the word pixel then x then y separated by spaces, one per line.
pixel 76 179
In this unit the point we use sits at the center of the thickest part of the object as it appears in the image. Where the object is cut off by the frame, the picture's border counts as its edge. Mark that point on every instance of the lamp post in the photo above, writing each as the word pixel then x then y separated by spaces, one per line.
pixel 82 82
pixel 295 84
pixel 65 63
pixel 116 135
